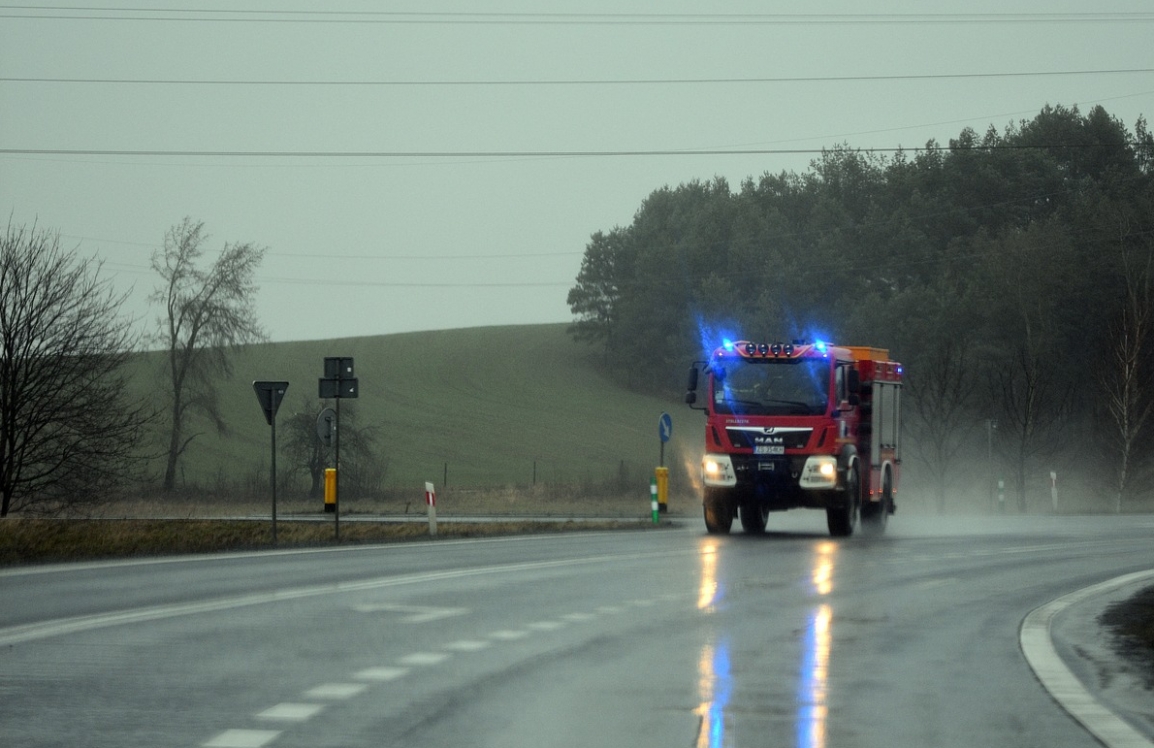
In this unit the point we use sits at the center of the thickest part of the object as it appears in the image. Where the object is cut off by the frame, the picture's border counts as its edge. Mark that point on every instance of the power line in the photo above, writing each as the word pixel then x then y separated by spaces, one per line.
pixel 404 284
pixel 358 257
pixel 564 82
pixel 507 154
pixel 236 15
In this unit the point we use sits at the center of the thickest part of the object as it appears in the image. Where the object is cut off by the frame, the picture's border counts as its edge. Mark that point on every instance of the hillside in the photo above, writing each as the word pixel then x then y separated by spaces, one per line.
pixel 481 405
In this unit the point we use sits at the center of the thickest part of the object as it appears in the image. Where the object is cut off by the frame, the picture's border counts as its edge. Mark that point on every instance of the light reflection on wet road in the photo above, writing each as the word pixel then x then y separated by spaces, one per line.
pixel 813 677
pixel 715 682
pixel 714 677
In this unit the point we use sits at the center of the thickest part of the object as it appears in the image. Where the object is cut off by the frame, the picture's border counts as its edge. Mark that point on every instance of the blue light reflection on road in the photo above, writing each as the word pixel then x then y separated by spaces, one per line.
pixel 813 677
pixel 715 684
pixel 714 680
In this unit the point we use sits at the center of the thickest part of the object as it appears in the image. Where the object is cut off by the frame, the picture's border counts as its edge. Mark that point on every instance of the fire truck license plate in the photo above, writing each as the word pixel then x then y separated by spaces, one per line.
pixel 775 449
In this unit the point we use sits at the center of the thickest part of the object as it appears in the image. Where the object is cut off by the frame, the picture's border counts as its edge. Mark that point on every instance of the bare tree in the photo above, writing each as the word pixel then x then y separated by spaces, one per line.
pixel 363 468
pixel 68 432
pixel 941 390
pixel 936 330
pixel 1032 406
pixel 1031 396
pixel 206 314
pixel 303 447
pixel 1125 377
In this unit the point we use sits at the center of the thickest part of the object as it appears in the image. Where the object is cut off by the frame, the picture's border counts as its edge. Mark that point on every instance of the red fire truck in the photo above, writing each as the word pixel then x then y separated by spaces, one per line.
pixel 801 424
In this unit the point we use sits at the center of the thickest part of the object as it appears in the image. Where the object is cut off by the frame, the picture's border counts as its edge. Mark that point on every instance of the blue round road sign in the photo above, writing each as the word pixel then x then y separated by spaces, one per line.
pixel 665 427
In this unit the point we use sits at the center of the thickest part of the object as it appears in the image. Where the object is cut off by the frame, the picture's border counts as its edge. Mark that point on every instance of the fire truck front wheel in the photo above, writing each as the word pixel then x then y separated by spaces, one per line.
pixel 719 510
pixel 754 517
pixel 842 515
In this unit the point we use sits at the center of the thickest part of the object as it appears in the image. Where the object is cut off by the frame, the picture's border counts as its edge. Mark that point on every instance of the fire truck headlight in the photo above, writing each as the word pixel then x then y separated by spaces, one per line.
pixel 820 471
pixel 717 470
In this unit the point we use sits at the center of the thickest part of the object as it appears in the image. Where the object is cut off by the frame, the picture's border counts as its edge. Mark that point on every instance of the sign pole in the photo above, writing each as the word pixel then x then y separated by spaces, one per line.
pixel 338 382
pixel 269 395
pixel 664 432
pixel 273 477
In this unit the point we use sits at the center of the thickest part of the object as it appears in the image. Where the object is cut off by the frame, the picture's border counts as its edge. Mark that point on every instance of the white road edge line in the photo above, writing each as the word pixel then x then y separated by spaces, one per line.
pixel 1034 638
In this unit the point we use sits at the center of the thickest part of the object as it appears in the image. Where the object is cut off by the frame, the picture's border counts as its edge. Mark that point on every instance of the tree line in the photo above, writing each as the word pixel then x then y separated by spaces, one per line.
pixel 1010 271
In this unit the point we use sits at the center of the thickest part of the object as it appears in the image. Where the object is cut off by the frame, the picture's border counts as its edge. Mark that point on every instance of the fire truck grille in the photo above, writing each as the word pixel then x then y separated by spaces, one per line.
pixel 751 438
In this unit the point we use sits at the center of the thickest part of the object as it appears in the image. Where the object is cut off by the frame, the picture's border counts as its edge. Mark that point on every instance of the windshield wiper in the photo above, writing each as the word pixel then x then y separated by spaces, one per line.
pixel 765 407
pixel 787 402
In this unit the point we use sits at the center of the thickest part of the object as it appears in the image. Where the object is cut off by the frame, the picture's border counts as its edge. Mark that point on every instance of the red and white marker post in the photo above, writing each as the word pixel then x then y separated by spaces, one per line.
pixel 431 502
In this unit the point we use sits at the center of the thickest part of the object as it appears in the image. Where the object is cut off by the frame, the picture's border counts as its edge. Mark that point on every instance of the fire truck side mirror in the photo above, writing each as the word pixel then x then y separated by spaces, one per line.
pixel 853 383
pixel 853 387
pixel 692 383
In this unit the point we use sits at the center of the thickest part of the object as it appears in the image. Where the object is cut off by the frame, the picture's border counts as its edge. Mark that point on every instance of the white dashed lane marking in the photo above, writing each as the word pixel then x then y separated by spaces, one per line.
pixel 335 691
pixel 508 636
pixel 424 659
pixel 467 645
pixel 578 617
pixel 545 625
pixel 291 712
pixel 243 739
pixel 381 674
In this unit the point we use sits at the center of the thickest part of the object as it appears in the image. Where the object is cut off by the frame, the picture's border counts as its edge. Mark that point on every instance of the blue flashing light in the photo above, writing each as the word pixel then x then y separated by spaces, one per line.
pixel 727 344
pixel 820 345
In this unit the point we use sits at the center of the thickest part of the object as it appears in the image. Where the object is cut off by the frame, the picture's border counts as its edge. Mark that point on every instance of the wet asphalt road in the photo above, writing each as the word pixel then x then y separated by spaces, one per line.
pixel 658 638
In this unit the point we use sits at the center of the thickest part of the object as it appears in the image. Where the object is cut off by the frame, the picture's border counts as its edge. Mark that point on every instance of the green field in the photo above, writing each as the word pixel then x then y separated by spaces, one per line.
pixel 486 407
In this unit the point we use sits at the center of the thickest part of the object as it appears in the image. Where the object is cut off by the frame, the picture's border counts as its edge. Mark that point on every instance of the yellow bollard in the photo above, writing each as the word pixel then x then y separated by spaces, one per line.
pixel 330 490
pixel 663 489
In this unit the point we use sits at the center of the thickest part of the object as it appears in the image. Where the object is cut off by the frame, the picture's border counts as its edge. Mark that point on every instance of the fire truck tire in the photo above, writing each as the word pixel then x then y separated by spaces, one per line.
pixel 754 517
pixel 873 519
pixel 841 516
pixel 718 505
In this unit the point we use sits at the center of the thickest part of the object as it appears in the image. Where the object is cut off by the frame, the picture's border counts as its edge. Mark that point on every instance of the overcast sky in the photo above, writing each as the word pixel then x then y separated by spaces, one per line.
pixel 445 167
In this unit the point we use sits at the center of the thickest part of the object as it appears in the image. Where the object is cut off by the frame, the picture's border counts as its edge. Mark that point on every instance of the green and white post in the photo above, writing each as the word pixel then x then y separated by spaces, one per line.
pixel 653 497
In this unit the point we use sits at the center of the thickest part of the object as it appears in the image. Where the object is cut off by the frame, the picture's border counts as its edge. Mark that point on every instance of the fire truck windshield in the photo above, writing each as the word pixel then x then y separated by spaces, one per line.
pixel 774 387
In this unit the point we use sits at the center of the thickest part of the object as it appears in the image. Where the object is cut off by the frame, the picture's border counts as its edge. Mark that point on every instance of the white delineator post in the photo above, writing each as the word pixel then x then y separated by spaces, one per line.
pixel 431 502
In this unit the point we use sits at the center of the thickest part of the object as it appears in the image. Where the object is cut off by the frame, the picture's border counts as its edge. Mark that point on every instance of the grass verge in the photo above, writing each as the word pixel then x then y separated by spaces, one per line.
pixel 1132 622
pixel 25 541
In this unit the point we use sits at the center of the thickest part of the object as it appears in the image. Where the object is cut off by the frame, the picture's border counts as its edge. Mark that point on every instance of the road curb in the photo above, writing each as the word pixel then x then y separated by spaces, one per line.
pixel 1038 647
